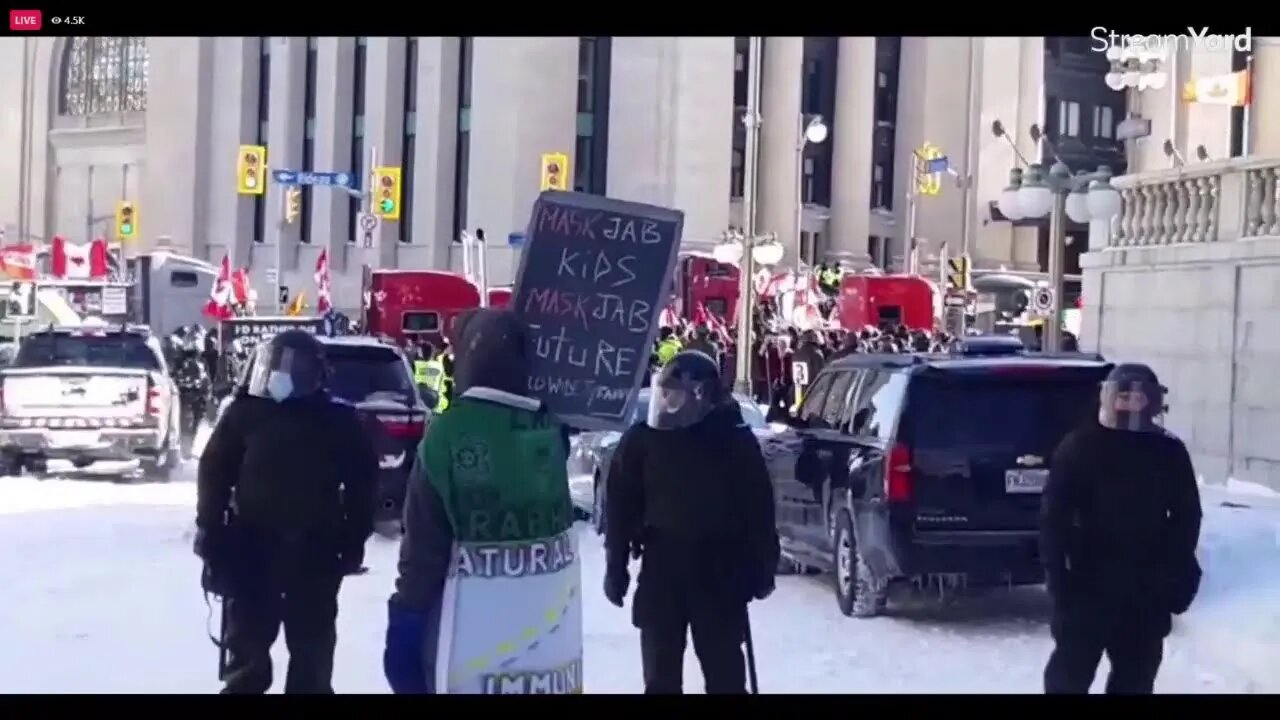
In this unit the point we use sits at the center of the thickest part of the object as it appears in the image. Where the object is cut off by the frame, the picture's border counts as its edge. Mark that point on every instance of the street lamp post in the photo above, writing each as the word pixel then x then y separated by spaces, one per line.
pixel 812 130
pixel 1083 197
pixel 747 251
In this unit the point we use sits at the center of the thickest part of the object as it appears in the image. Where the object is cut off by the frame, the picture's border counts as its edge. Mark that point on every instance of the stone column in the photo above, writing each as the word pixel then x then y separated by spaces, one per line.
pixel 851 152
pixel 779 133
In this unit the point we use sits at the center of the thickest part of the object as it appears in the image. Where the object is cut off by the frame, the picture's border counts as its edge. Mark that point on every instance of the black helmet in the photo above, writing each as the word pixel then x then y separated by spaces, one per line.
pixel 290 365
pixel 685 391
pixel 1131 398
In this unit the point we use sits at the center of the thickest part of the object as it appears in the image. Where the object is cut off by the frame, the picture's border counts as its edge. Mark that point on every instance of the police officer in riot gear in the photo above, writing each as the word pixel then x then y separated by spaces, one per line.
pixel 195 387
pixel 286 497
pixel 689 492
pixel 1120 521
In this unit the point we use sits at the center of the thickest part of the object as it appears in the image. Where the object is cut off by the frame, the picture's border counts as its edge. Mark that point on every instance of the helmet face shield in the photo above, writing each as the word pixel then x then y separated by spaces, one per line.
pixel 677 403
pixel 1132 406
pixel 286 367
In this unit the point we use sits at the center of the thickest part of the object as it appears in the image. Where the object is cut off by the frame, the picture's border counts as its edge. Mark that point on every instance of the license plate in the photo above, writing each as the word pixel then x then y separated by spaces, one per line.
pixel 1025 481
pixel 73 438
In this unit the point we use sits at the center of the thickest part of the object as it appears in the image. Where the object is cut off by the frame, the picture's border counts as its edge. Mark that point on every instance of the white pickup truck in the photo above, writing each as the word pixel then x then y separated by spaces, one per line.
pixel 87 394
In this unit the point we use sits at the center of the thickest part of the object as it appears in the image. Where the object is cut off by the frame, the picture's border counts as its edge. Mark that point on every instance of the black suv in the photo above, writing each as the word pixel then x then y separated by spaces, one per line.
pixel 926 467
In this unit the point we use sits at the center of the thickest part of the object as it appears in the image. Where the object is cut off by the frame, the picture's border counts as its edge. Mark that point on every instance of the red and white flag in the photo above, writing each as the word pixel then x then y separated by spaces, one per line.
pixel 323 299
pixel 668 317
pixel 241 286
pixel 88 261
pixel 18 262
pixel 220 296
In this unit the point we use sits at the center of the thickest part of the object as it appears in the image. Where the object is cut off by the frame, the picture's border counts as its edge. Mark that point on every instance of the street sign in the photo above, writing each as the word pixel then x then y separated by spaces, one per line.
pixel 515 239
pixel 1042 301
pixel 284 294
pixel 927 180
pixel 366 226
pixel 368 222
pixel 936 165
pixel 307 177
pixel 272 275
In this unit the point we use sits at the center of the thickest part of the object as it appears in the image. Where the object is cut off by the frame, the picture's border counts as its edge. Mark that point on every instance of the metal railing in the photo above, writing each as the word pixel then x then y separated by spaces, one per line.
pixel 1218 201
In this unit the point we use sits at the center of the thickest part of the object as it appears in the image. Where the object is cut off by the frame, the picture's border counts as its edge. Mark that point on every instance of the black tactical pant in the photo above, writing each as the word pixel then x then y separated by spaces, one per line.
pixel 1133 646
pixel 308 609
pixel 717 641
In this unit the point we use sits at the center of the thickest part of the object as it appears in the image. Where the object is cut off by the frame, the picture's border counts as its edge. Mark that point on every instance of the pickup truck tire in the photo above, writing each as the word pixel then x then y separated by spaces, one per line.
pixel 161 469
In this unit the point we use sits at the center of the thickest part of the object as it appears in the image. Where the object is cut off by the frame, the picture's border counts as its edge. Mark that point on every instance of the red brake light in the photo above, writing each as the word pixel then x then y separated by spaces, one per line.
pixel 403 426
pixel 153 399
pixel 897 474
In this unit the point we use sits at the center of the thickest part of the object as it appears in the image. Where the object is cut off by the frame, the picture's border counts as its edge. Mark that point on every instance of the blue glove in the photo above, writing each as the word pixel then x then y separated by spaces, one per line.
pixel 402 661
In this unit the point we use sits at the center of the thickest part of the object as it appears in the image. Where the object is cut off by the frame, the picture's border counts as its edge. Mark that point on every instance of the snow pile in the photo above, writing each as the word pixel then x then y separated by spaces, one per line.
pixel 1234 625
pixel 94 488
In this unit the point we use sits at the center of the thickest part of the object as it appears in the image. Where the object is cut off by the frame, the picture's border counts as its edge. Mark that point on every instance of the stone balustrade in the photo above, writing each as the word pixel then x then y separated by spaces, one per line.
pixel 1207 202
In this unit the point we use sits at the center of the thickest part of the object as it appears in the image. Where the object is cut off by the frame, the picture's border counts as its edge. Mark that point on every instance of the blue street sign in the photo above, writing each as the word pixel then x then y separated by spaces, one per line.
pixel 515 239
pixel 936 165
pixel 305 177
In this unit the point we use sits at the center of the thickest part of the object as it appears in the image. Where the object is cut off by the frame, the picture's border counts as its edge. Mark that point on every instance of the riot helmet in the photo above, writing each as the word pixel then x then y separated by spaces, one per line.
pixel 685 391
pixel 1132 399
pixel 289 366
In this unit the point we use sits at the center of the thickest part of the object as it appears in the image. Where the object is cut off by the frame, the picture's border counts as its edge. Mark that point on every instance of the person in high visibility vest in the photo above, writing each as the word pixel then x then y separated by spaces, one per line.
pixel 668 346
pixel 429 372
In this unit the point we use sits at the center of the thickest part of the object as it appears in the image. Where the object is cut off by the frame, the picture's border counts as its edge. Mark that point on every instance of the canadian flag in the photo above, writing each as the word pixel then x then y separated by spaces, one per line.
pixel 220 296
pixel 323 300
pixel 668 317
pixel 79 261
pixel 19 261
pixel 240 286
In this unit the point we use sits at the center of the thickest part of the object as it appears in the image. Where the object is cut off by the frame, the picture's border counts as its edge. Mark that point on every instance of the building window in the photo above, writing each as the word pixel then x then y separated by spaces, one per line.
pixel 462 161
pixel 1104 122
pixel 1239 62
pixel 591 147
pixel 1068 118
pixel 818 98
pixel 264 115
pixel 737 175
pixel 408 143
pixel 357 131
pixel 738 131
pixel 103 75
pixel 885 112
pixel 308 138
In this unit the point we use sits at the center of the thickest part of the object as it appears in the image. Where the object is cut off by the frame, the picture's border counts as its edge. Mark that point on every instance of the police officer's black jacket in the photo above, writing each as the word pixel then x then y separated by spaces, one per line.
pixel 300 468
pixel 1120 520
pixel 700 502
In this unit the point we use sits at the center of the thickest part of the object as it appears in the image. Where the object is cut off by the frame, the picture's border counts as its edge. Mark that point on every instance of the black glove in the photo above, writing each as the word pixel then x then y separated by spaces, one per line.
pixel 615 585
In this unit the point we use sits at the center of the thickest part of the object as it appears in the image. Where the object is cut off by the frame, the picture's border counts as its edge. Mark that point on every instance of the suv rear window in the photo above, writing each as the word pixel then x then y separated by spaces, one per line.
pixel 115 350
pixel 995 412
pixel 361 374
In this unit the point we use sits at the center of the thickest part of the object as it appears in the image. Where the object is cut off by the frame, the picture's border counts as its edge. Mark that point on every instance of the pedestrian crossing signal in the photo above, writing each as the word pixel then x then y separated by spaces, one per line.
pixel 251 170
pixel 958 274
pixel 555 171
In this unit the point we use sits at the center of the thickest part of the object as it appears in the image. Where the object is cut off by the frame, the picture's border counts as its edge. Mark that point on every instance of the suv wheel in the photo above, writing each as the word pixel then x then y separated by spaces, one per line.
pixel 161 468
pixel 597 505
pixel 856 593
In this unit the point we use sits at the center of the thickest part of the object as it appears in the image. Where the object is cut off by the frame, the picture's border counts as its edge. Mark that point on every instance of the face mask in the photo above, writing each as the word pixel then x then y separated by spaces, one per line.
pixel 280 386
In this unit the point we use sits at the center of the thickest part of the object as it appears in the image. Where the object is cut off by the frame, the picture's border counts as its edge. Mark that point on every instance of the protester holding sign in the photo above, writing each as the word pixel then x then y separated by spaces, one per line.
pixel 489 598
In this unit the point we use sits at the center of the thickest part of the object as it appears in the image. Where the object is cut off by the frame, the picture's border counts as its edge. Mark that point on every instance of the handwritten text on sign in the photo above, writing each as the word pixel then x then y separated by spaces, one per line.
pixel 589 286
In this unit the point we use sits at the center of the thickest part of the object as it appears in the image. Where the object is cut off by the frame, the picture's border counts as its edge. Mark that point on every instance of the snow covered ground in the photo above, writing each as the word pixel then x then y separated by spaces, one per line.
pixel 102 594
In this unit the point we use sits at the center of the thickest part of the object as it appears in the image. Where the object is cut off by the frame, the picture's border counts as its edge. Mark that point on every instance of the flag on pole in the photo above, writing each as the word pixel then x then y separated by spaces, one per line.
pixel 324 302
pixel 1231 89
pixel 220 296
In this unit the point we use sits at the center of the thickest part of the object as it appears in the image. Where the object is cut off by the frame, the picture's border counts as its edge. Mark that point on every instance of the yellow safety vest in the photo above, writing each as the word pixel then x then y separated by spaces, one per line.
pixel 831 278
pixel 668 349
pixel 420 371
pixel 434 378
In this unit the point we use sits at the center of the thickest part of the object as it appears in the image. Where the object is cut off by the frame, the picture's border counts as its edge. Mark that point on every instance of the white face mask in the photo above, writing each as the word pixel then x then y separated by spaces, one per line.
pixel 280 386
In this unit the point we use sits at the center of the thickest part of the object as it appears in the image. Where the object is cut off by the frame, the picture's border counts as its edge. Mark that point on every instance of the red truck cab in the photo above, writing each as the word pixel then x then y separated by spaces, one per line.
pixel 419 304
pixel 700 280
pixel 883 300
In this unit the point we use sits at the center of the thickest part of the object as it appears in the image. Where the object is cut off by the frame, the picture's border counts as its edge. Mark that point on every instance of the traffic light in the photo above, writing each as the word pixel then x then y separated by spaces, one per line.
pixel 555 171
pixel 386 193
pixel 292 204
pixel 958 273
pixel 251 170
pixel 126 220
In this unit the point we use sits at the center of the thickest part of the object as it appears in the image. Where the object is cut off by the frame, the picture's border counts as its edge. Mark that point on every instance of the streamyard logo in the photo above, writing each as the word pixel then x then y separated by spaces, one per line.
pixel 26 20
pixel 1104 40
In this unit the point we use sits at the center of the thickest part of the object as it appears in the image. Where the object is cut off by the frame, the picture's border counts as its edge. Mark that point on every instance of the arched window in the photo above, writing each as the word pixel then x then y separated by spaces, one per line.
pixel 103 75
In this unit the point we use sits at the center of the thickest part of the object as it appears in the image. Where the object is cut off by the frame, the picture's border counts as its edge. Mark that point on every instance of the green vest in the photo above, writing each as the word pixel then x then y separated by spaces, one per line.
pixel 499 471
pixel 831 278
pixel 421 372
pixel 668 349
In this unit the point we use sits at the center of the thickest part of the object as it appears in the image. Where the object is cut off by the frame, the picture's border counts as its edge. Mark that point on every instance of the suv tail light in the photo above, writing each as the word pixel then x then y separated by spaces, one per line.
pixel 403 426
pixel 153 399
pixel 897 474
